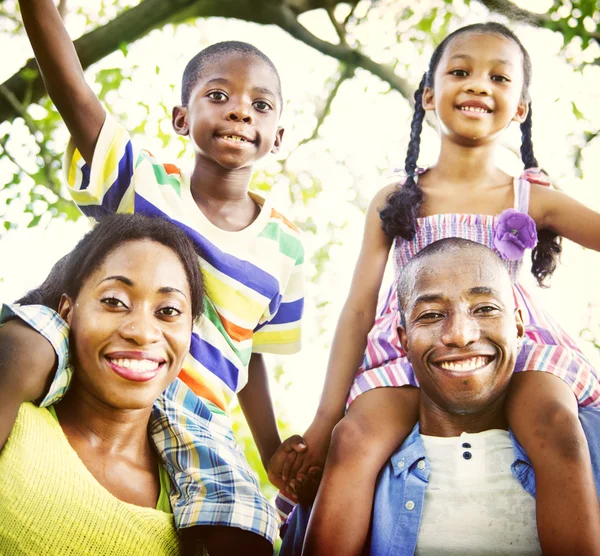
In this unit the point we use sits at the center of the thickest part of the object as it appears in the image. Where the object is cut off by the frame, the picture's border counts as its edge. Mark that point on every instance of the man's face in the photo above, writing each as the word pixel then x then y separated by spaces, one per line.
pixel 461 331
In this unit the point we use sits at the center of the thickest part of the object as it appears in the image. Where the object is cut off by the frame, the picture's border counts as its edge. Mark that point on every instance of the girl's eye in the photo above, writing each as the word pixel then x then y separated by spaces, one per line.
pixel 262 106
pixel 112 302
pixel 500 78
pixel 459 73
pixel 217 95
pixel 169 312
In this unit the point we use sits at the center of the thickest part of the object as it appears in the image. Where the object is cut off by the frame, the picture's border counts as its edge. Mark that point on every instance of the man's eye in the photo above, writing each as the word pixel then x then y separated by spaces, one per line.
pixel 262 105
pixel 486 309
pixel 459 73
pixel 169 312
pixel 431 315
pixel 112 302
pixel 217 95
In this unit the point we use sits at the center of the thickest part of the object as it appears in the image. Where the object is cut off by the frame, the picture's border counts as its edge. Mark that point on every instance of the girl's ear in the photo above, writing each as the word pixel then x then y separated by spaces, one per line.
pixel 65 308
pixel 278 140
pixel 522 111
pixel 428 99
pixel 179 119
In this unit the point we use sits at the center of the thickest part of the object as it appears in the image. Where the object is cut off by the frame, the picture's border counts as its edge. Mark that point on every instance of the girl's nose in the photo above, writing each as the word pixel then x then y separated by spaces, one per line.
pixel 478 86
pixel 460 330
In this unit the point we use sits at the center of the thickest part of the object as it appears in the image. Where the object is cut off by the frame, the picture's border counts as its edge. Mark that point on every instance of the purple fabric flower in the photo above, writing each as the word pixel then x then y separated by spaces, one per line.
pixel 514 233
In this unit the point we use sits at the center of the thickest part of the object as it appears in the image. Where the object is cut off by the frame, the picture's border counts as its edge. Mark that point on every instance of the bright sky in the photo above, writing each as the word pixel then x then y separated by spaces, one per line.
pixel 365 134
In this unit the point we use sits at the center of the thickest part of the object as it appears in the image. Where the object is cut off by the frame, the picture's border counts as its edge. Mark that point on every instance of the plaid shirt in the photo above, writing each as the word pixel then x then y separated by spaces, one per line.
pixel 212 482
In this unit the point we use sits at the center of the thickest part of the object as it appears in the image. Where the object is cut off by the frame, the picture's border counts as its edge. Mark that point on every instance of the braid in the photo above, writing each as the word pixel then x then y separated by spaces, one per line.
pixel 398 217
pixel 546 253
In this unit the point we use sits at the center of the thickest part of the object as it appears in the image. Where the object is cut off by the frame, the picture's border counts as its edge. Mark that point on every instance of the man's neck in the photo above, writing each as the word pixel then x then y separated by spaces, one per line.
pixel 437 421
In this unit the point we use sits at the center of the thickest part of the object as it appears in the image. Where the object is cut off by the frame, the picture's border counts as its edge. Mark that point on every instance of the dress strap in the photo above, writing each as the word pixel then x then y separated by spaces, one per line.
pixel 522 194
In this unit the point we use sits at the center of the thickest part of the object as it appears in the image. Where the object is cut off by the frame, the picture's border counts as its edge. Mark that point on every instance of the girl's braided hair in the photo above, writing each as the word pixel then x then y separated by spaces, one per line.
pixel 399 215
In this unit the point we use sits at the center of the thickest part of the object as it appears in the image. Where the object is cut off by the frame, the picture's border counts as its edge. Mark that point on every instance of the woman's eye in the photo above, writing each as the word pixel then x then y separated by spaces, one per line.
pixel 112 302
pixel 262 105
pixel 459 73
pixel 217 95
pixel 169 312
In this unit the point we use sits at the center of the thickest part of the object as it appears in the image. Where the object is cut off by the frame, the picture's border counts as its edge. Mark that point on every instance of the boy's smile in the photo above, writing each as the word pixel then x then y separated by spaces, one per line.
pixel 233 112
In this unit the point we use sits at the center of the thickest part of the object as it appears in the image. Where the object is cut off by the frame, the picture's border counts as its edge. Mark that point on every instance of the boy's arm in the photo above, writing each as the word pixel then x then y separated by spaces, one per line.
pixel 63 76
pixel 255 401
pixel 27 365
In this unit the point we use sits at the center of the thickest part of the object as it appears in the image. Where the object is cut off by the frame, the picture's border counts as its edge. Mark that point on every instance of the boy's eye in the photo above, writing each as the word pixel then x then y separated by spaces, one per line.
pixel 217 95
pixel 262 105
pixel 459 73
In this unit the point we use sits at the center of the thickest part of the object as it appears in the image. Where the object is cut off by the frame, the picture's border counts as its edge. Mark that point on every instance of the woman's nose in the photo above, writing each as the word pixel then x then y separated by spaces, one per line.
pixel 141 329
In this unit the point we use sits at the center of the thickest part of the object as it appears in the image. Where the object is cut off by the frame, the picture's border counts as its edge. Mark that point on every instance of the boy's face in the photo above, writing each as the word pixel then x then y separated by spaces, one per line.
pixel 233 113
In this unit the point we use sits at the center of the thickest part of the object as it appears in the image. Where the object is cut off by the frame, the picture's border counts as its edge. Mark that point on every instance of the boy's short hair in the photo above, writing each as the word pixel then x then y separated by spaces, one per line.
pixel 196 65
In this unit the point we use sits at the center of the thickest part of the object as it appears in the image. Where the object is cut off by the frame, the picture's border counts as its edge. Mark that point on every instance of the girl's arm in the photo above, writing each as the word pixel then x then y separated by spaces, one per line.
pixel 27 363
pixel 354 324
pixel 63 76
pixel 565 216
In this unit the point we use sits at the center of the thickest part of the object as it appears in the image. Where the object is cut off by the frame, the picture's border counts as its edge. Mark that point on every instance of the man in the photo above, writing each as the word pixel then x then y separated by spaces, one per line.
pixel 460 483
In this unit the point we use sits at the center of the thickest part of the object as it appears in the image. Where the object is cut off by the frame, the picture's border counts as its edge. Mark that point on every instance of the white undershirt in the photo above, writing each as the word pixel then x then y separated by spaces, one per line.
pixel 475 505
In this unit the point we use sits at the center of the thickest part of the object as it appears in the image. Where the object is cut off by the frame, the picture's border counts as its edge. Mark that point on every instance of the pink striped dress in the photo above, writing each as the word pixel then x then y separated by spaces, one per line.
pixel 547 347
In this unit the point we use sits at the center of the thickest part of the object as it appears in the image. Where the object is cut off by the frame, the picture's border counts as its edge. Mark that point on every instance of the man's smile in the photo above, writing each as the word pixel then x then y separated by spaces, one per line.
pixel 463 363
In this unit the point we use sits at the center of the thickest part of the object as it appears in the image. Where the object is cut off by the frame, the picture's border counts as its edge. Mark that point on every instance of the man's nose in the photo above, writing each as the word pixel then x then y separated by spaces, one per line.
pixel 140 328
pixel 460 330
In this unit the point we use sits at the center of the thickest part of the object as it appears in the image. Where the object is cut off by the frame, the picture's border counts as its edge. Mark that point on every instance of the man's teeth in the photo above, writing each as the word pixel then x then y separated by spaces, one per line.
pixel 140 365
pixel 234 138
pixel 474 109
pixel 465 364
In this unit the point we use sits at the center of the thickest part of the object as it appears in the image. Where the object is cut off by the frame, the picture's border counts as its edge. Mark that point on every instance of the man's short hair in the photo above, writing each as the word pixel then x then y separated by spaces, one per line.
pixel 406 282
pixel 212 53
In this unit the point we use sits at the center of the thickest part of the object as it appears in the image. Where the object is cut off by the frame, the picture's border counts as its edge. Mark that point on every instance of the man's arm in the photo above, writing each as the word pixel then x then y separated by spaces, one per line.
pixel 27 365
pixel 63 76
pixel 255 401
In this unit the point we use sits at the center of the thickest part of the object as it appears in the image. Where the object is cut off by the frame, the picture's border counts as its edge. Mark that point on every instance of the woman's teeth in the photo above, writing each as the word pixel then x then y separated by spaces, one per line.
pixel 140 365
pixel 470 364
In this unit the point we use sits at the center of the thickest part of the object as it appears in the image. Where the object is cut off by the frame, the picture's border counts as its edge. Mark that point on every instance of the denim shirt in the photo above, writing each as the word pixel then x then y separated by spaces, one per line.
pixel 400 492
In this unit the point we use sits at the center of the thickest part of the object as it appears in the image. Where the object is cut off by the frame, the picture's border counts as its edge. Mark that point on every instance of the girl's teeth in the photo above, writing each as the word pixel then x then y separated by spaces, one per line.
pixel 473 109
pixel 465 365
pixel 136 364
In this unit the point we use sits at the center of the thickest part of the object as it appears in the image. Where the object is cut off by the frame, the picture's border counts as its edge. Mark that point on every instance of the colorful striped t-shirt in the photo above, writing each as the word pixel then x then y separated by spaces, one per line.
pixel 253 277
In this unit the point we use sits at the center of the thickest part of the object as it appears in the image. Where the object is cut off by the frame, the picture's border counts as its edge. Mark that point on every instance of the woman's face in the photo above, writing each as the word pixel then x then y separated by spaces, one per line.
pixel 130 325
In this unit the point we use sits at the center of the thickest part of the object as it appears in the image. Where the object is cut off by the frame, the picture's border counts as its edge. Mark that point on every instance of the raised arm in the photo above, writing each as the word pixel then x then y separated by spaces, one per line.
pixel 63 76
pixel 27 364
pixel 565 216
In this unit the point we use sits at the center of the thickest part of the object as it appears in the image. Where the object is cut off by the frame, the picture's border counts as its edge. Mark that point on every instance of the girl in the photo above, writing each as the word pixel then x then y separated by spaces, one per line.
pixel 477 84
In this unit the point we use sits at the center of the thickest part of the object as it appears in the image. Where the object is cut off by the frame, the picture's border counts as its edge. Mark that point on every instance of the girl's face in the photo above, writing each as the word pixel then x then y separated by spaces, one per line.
pixel 477 88
pixel 130 325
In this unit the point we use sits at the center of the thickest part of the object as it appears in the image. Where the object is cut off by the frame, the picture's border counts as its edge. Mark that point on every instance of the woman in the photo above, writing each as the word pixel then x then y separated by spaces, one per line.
pixel 82 477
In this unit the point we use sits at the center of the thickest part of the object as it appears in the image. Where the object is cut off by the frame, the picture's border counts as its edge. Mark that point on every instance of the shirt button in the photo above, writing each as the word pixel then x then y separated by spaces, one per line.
pixel 466 445
pixel 401 464
pixel 467 455
pixel 421 465
pixel 410 505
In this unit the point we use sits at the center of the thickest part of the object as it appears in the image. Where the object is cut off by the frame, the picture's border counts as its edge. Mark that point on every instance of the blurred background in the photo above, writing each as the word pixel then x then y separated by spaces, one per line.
pixel 349 70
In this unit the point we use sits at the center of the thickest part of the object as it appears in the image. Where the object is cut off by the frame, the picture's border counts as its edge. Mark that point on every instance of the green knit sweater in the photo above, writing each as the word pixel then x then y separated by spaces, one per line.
pixel 51 505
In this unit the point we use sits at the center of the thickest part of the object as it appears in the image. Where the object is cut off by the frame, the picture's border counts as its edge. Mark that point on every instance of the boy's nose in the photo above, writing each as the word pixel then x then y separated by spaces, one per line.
pixel 239 114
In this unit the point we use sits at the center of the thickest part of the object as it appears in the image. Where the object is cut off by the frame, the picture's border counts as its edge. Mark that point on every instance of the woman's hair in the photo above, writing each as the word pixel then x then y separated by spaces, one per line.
pixel 70 273
pixel 402 209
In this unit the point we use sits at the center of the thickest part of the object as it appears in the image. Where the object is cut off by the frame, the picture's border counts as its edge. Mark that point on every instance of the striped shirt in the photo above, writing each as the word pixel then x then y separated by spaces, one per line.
pixel 253 277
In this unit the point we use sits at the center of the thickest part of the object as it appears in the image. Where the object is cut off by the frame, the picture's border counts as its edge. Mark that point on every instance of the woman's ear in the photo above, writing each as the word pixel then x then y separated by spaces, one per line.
pixel 428 100
pixel 65 308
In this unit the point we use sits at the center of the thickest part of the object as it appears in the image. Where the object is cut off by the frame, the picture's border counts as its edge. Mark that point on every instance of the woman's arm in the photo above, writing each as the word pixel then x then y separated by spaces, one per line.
pixel 63 76
pixel 27 365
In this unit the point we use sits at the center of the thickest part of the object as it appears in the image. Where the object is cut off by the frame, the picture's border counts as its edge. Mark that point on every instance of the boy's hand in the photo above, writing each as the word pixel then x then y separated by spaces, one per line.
pixel 304 487
pixel 284 457
pixel 317 438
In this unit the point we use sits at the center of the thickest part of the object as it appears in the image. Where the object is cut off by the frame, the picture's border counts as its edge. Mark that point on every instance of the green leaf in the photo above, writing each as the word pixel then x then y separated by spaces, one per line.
pixel 576 112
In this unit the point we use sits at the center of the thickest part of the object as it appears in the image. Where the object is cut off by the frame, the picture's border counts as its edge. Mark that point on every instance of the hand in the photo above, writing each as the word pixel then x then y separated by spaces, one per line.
pixel 282 460
pixel 305 486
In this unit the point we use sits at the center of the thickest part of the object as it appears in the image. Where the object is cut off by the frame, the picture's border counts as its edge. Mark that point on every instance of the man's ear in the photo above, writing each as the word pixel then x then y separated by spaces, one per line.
pixel 428 100
pixel 65 308
pixel 522 111
pixel 520 325
pixel 403 339
pixel 278 140
pixel 179 120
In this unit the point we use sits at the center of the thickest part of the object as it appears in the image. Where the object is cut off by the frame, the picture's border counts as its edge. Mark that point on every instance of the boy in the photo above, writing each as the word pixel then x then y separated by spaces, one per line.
pixel 252 262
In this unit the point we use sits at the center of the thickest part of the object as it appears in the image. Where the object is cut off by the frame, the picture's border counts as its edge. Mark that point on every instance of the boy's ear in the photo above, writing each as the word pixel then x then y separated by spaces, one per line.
pixel 522 111
pixel 278 140
pixel 179 120
pixel 428 100
pixel 65 308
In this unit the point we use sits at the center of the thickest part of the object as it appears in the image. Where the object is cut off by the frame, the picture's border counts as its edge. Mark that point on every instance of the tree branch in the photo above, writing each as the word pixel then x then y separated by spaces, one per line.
pixel 339 27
